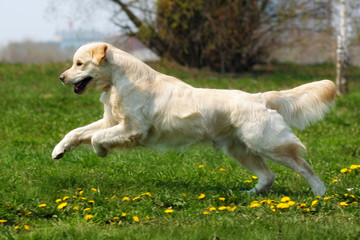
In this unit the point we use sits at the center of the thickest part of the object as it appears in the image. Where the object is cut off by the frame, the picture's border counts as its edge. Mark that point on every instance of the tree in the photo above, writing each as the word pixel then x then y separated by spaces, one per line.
pixel 225 35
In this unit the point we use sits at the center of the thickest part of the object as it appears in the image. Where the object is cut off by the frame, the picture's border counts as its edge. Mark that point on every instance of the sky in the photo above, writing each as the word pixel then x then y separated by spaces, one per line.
pixel 39 20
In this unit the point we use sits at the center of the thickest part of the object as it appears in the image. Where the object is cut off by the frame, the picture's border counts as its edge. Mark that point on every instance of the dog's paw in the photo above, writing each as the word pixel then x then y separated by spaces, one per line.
pixel 100 150
pixel 58 152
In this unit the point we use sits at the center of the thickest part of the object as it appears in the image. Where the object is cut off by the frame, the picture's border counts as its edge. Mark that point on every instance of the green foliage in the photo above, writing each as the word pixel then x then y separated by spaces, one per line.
pixel 36 112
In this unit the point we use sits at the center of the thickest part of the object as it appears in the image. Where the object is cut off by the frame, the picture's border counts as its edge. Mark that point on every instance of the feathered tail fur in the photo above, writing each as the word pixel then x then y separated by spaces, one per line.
pixel 302 105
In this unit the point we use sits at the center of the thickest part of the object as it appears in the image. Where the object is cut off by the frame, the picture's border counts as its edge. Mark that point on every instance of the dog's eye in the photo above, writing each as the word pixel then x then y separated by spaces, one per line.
pixel 78 63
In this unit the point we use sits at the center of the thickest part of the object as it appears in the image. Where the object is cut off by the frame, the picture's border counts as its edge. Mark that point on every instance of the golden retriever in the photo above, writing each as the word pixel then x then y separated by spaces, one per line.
pixel 143 107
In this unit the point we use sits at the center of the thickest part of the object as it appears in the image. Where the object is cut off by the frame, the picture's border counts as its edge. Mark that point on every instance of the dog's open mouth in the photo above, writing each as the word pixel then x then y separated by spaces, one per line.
pixel 80 86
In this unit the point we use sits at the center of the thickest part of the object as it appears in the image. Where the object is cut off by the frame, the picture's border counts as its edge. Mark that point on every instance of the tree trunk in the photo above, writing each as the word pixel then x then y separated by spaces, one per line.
pixel 341 53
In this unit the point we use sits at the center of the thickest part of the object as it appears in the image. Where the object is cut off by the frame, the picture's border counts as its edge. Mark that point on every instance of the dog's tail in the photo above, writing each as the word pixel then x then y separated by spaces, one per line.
pixel 302 105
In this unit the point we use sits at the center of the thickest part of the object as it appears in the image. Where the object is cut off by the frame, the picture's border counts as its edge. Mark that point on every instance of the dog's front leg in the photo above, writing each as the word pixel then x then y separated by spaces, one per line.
pixel 115 137
pixel 76 137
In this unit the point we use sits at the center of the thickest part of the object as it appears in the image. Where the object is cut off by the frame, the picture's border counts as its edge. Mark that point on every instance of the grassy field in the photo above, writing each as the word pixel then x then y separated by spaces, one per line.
pixel 188 194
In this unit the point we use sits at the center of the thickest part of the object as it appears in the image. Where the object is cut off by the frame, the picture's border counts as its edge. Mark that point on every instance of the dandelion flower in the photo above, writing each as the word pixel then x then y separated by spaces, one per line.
pixel 233 208
pixel 201 196
pixel 91 201
pixel 42 205
pixel 28 213
pixel 76 208
pixel 146 194
pixel 74 197
pixel 147 218
pixel 352 195
pixel 79 189
pixel 344 170
pixel 65 198
pixel 283 205
pixel 126 199
pixel 89 216
pixel 115 218
pixel 285 199
pixel 113 197
pixel 94 189
pixel 222 170
pixel 343 204
pixel 3 221
pixel 86 209
pixel 222 199
pixel 62 205
pixel 201 166
pixel 298 175
pixel 17 227
pixel 81 192
pixel 352 167
pixel 184 195
pixel 83 198
pixel 136 198
pixel 136 219
pixel 123 214
pixel 291 203
pixel 205 212
pixel 255 204
pixel 212 209
pixel 58 200
pixel 222 208
pixel 301 205
pixel 313 203
pixel 247 181
pixel 26 227
pixel 254 177
pixel 334 180
pixel 326 198
pixel 169 211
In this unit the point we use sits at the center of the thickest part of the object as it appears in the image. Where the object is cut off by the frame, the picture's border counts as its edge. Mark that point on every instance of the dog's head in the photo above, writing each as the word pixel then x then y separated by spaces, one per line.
pixel 89 69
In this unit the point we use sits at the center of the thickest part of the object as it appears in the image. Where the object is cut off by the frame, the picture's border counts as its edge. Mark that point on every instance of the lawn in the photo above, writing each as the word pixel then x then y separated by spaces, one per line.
pixel 192 193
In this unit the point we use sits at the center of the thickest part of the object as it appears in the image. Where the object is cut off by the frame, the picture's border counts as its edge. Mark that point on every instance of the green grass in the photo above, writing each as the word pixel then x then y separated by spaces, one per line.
pixel 37 111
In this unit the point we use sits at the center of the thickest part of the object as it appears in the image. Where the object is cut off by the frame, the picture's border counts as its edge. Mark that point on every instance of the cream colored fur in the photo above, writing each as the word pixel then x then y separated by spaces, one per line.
pixel 143 107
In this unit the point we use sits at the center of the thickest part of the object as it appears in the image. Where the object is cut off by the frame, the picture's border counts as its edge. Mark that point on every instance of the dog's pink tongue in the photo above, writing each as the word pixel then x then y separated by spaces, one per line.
pixel 76 86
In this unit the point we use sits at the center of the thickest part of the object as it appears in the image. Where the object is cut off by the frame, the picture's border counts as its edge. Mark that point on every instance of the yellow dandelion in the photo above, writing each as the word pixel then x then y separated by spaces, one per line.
pixel 313 203
pixel 307 210
pixel 81 192
pixel 222 199
pixel 3 221
pixel 26 227
pixel 346 194
pixel 201 166
pixel 254 177
pixel 222 208
pixel 184 195
pixel 326 198
pixel 86 209
pixel 17 227
pixel 352 167
pixel 94 189
pixel 169 211
pixel 335 195
pixel 291 203
pixel 344 204
pixel 62 205
pixel 65 198
pixel 334 180
pixel 205 212
pixel 255 204
pixel 136 198
pixel 91 201
pixel 233 208
pixel 28 213
pixel 222 170
pixel 344 170
pixel 201 196
pixel 273 209
pixel 285 199
pixel 136 219
pixel 283 205
pixel 302 205
pixel 42 205
pixel 115 218
pixel 83 198
pixel 354 203
pixel 352 195
pixel 126 199
pixel 212 209
pixel 123 214
pixel 298 175
pixel 247 181
pixel 74 197
pixel 147 218
pixel 58 200
pixel 113 197
pixel 89 216
pixel 146 194
pixel 318 197
pixel 76 208
pixel 79 189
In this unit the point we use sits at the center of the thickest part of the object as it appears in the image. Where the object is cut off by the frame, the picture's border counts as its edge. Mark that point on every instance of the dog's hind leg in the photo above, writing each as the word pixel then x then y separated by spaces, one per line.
pixel 253 163
pixel 287 155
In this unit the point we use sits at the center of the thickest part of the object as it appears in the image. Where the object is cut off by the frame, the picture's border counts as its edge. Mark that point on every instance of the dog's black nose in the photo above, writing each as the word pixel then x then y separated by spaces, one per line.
pixel 62 77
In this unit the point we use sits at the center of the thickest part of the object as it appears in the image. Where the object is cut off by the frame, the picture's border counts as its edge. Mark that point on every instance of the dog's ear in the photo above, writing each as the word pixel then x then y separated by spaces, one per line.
pixel 98 53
